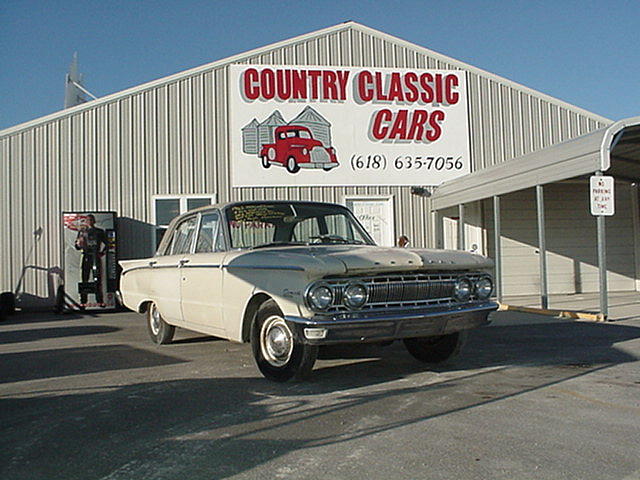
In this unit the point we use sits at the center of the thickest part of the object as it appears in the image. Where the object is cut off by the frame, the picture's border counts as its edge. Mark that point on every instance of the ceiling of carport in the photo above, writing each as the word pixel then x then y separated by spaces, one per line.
pixel 625 155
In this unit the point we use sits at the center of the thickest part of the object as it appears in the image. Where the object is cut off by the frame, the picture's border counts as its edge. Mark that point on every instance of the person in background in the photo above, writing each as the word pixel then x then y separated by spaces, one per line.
pixel 93 243
pixel 403 241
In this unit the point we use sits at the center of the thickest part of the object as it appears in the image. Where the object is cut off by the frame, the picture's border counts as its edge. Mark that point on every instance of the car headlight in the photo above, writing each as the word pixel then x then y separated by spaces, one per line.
pixel 484 287
pixel 305 151
pixel 320 297
pixel 462 289
pixel 355 295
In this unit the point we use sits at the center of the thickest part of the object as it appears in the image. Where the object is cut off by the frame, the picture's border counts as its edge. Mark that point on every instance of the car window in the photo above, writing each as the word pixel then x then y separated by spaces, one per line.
pixel 336 226
pixel 219 244
pixel 166 249
pixel 209 238
pixel 247 234
pixel 183 238
pixel 306 229
pixel 339 225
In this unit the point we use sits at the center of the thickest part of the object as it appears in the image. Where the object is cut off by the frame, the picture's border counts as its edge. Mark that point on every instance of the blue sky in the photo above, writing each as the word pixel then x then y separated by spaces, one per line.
pixel 583 52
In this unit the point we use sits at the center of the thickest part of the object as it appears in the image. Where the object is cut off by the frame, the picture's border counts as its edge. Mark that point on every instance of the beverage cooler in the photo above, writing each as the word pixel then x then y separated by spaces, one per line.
pixel 90 264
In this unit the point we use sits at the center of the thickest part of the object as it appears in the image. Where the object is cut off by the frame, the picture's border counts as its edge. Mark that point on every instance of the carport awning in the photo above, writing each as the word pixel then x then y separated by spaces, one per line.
pixel 614 149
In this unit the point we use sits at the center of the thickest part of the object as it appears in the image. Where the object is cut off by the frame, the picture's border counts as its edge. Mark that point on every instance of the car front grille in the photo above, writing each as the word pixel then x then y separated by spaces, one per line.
pixel 401 291
pixel 319 155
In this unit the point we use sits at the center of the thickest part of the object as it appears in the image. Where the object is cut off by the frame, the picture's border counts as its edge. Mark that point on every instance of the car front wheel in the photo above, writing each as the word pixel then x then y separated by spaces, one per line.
pixel 279 356
pixel 159 330
pixel 265 162
pixel 436 349
pixel 292 165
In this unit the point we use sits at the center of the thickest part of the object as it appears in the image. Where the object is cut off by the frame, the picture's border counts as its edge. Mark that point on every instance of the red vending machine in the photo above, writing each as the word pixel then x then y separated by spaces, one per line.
pixel 90 261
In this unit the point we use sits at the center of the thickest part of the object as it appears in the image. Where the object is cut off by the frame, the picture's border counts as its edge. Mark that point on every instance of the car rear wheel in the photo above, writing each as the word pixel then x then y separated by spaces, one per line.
pixel 436 349
pixel 278 354
pixel 265 162
pixel 159 330
pixel 292 165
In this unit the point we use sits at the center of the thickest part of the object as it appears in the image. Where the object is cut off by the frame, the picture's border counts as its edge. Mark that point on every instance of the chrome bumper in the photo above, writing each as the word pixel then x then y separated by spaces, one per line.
pixel 326 165
pixel 380 326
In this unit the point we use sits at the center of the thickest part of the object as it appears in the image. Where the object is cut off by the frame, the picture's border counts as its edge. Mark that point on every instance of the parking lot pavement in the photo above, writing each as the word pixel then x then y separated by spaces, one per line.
pixel 89 397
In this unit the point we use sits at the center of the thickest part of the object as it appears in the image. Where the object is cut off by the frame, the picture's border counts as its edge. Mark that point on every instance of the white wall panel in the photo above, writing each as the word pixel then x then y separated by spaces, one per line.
pixel 572 260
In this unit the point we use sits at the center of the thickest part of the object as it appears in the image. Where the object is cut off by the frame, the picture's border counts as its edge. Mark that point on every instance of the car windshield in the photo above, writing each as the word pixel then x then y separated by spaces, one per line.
pixel 296 133
pixel 256 225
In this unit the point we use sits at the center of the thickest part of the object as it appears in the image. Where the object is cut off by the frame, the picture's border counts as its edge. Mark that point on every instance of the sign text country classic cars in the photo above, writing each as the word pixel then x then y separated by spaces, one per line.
pixel 317 126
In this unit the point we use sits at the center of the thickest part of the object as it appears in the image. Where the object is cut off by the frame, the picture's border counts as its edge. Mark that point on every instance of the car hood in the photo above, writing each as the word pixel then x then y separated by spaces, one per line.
pixel 358 259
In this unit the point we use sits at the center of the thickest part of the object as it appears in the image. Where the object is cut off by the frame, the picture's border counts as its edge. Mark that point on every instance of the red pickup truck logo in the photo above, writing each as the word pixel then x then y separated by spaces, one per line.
pixel 295 148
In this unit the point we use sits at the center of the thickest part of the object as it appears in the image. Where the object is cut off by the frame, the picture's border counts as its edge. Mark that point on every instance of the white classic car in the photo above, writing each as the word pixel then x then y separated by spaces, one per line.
pixel 292 276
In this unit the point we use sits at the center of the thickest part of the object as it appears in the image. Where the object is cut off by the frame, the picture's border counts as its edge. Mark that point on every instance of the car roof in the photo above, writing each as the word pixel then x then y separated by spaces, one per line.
pixel 224 205
pixel 291 127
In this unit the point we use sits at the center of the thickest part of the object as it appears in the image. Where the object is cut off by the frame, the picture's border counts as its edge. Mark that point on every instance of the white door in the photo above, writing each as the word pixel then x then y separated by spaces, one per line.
pixel 165 272
pixel 376 216
pixel 201 278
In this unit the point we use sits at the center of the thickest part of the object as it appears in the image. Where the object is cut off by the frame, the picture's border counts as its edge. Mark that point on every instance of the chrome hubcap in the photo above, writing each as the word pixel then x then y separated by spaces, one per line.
pixel 276 341
pixel 155 320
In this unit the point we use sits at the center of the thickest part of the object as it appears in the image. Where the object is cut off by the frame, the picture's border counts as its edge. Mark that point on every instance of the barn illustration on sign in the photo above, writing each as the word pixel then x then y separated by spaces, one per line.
pixel 304 142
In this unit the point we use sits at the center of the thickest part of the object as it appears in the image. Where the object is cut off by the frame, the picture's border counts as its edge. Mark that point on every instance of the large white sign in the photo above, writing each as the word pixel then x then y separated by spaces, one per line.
pixel 602 195
pixel 301 125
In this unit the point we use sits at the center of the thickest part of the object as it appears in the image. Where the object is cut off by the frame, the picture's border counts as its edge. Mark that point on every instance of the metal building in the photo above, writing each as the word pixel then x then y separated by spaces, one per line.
pixel 155 150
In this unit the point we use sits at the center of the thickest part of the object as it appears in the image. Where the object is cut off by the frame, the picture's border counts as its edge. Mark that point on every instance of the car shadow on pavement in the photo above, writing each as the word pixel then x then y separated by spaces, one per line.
pixel 62 362
pixel 562 343
pixel 22 318
pixel 221 427
pixel 32 335
pixel 196 339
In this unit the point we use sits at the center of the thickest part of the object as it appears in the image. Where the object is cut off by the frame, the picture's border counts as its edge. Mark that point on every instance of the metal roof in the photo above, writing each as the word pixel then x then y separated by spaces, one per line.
pixel 242 57
pixel 614 149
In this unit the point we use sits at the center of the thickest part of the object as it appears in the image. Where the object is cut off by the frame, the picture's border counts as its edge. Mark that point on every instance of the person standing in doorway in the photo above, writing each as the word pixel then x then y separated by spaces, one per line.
pixel 93 243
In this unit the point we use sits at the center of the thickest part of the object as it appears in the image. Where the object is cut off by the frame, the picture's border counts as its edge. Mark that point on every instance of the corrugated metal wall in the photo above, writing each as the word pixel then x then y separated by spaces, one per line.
pixel 172 138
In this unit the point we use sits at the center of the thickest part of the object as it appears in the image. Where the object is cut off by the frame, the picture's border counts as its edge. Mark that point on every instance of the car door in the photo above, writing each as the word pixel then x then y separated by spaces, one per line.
pixel 201 277
pixel 165 270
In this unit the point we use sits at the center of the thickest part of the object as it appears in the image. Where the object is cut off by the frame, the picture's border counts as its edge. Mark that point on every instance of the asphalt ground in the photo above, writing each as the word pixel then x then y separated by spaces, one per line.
pixel 89 397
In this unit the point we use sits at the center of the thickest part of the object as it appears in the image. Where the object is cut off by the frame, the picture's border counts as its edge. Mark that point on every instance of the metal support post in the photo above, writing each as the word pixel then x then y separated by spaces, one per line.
pixel 461 240
pixel 542 247
pixel 437 228
pixel 498 246
pixel 602 263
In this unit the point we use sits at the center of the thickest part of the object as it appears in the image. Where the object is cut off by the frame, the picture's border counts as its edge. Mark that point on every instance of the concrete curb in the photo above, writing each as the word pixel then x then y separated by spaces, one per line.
pixel 593 317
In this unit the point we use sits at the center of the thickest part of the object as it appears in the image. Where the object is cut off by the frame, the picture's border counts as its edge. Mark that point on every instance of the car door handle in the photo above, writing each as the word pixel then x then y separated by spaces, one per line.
pixel 183 261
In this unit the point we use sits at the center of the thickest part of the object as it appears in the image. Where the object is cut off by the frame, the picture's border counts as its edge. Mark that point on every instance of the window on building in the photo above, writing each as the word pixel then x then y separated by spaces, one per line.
pixel 167 207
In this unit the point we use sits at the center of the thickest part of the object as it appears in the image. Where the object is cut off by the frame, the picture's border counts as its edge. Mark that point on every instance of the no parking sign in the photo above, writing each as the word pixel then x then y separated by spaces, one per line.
pixel 602 195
